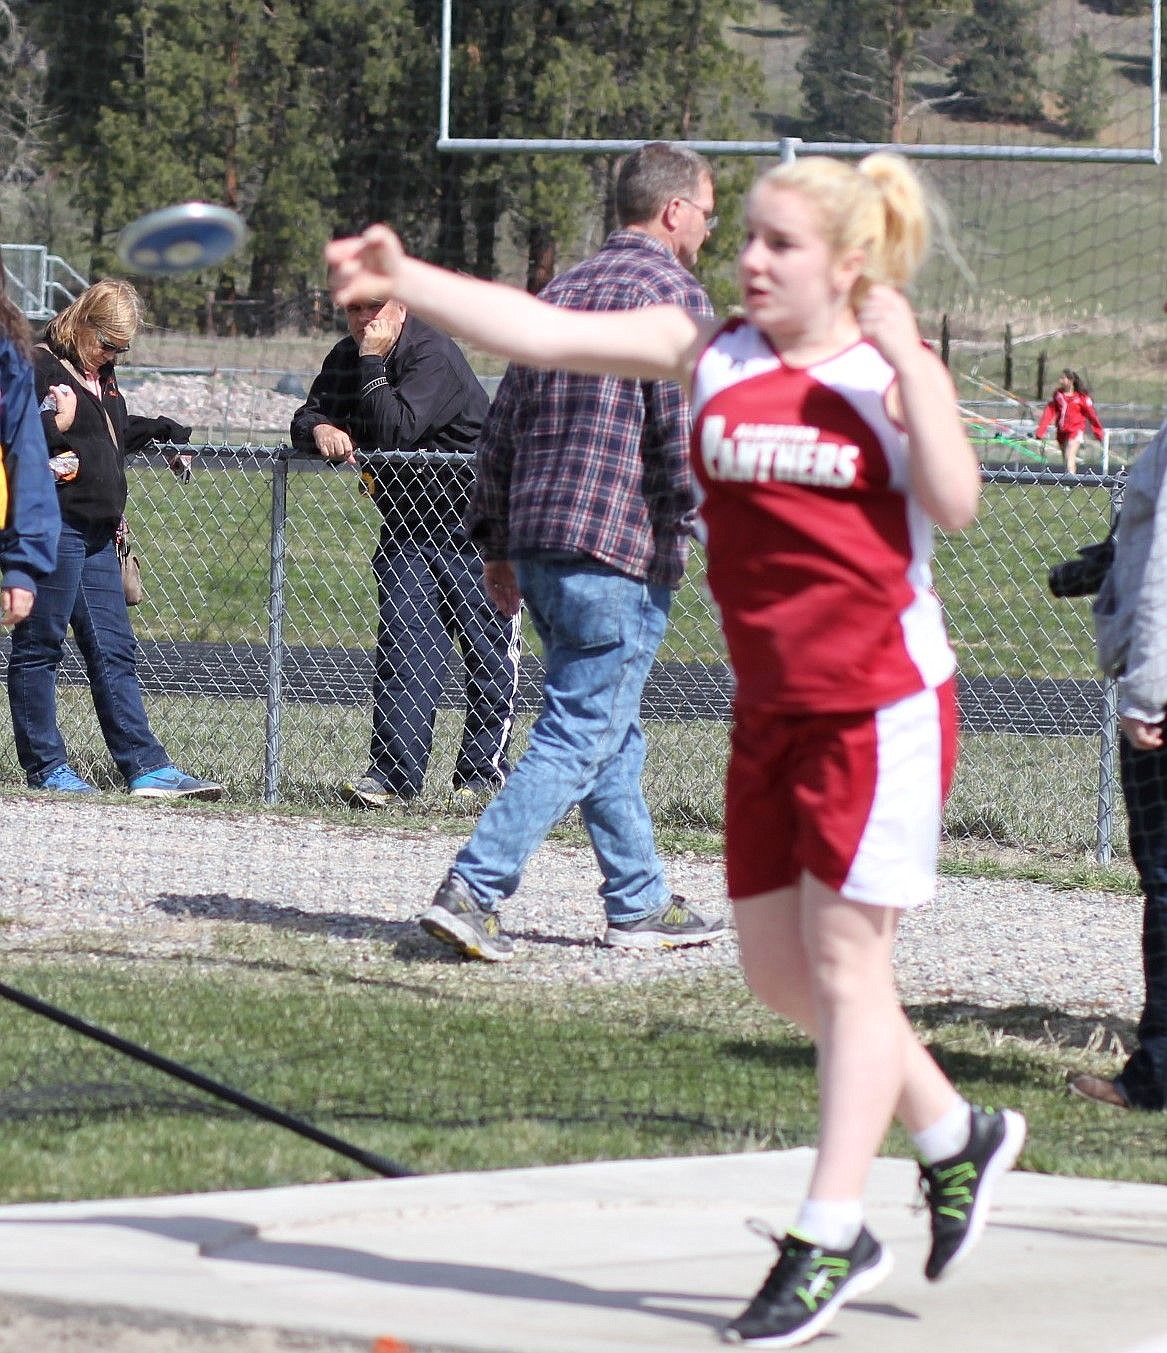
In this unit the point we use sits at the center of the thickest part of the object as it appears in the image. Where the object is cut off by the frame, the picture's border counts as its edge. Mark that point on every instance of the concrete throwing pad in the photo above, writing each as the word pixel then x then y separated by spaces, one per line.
pixel 604 1258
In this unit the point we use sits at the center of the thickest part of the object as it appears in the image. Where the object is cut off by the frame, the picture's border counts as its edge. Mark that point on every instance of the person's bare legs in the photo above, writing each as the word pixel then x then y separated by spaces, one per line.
pixel 871 1064
pixel 1073 444
pixel 824 962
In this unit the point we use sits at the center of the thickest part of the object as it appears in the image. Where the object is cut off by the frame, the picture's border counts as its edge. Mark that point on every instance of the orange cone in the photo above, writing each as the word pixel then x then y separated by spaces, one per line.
pixel 387 1344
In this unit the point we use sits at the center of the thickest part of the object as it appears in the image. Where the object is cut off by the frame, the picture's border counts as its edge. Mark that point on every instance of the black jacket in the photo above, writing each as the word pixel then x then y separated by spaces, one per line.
pixel 421 395
pixel 98 493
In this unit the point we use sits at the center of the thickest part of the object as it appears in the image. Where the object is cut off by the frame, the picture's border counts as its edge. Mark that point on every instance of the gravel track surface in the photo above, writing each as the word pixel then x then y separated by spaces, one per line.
pixel 29 1326
pixel 157 877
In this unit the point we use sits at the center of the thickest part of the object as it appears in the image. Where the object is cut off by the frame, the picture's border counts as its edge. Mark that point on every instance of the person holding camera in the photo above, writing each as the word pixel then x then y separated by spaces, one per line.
pixel 1130 620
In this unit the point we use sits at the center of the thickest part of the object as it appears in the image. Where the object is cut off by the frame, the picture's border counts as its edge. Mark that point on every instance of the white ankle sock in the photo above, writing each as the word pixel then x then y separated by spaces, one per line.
pixel 832 1223
pixel 947 1135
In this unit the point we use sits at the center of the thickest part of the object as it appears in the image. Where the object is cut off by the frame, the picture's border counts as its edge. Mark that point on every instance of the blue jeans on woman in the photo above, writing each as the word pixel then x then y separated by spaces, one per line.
pixel 1144 786
pixel 600 631
pixel 85 591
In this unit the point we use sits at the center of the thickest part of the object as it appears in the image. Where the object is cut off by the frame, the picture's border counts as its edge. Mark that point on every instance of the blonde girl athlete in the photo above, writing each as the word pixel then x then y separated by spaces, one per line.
pixel 827 442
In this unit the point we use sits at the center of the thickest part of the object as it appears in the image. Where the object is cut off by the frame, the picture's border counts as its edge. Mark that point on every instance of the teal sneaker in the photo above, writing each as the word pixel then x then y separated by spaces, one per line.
pixel 65 780
pixel 168 782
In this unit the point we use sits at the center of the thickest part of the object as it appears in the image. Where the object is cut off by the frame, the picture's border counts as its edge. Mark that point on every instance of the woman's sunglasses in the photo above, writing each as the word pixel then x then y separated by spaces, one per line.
pixel 107 346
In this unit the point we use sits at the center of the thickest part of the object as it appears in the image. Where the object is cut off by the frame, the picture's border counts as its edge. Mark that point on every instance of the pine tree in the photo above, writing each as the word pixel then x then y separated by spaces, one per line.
pixel 596 69
pixel 995 73
pixel 251 105
pixel 22 111
pixel 844 72
pixel 857 66
pixel 313 117
pixel 1083 100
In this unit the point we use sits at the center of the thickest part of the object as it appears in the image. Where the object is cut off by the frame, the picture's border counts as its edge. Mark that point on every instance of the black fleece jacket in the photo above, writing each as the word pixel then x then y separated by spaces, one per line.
pixel 98 493
pixel 421 395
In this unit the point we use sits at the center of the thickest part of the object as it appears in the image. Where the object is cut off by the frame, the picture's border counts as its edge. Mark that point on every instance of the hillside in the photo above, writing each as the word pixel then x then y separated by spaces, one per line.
pixel 1062 252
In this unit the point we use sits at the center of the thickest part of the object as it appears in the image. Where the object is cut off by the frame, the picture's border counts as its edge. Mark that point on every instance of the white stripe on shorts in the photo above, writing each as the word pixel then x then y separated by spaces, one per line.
pixel 895 862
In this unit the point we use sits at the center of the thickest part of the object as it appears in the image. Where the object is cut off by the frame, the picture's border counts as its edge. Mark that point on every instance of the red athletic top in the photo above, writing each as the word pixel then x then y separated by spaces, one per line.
pixel 819 556
pixel 1072 412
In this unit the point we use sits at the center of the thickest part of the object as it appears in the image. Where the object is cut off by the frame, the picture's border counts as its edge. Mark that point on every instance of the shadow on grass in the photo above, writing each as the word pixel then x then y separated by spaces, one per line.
pixel 408 941
pixel 1035 1024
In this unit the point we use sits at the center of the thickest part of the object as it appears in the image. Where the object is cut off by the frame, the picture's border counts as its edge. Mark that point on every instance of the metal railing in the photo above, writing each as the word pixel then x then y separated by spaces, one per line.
pixel 38 282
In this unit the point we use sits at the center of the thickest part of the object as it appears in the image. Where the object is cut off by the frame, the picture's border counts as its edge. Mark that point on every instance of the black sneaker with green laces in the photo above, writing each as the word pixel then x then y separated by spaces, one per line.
pixel 456 918
pixel 674 926
pixel 805 1290
pixel 958 1190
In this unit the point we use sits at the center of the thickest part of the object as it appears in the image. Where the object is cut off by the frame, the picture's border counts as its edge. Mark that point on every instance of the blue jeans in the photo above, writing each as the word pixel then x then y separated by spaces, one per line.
pixel 430 596
pixel 600 633
pixel 85 591
pixel 1144 787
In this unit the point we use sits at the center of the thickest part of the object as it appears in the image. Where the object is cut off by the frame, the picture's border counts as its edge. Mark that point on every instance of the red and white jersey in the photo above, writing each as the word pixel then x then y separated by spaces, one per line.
pixel 819 556
pixel 1070 411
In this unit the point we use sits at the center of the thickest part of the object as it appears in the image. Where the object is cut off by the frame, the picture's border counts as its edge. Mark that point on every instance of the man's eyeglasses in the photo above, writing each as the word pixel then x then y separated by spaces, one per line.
pixel 710 216
pixel 119 348
pixel 356 306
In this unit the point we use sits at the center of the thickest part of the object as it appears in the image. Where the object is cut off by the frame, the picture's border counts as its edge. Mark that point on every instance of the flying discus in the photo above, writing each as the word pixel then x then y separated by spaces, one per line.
pixel 183 238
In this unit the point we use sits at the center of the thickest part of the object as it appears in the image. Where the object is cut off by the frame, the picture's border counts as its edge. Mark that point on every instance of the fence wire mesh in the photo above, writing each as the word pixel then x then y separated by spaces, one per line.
pixel 258 630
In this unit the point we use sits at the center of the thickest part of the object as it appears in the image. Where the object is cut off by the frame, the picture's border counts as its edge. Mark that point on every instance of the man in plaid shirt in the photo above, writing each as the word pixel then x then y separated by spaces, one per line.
pixel 582 507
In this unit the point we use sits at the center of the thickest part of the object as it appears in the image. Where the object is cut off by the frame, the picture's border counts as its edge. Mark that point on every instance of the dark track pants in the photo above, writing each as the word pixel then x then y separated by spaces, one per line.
pixel 429 598
pixel 1144 786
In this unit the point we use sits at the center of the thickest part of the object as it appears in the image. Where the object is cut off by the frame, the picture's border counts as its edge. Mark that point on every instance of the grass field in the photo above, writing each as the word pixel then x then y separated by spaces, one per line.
pixel 483 1074
pixel 206 547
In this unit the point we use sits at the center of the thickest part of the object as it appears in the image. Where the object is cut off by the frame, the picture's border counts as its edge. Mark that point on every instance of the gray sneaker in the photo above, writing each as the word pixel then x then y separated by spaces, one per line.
pixel 457 919
pixel 673 927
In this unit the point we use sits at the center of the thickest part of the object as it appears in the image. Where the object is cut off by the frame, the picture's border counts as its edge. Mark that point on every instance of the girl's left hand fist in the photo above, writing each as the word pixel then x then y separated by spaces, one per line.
pixel 886 321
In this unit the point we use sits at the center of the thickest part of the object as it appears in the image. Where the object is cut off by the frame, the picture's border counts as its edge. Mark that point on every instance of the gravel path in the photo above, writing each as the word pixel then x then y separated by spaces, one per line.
pixel 160 877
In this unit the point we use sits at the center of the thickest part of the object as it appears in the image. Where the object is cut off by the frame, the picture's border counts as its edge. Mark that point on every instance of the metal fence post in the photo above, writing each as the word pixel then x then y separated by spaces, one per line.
pixel 275 626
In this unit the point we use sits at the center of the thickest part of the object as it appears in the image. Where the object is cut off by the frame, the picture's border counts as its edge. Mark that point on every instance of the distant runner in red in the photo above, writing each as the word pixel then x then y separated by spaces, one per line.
pixel 1070 410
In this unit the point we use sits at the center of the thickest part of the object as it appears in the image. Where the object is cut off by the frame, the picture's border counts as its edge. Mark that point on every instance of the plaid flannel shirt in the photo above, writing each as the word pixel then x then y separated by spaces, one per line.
pixel 593 465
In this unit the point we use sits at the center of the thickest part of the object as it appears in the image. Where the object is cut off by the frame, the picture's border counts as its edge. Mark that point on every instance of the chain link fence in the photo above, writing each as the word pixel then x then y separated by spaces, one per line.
pixel 258 629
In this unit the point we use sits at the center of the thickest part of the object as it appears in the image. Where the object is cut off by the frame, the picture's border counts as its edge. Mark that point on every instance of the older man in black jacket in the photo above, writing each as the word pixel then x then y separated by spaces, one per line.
pixel 395 384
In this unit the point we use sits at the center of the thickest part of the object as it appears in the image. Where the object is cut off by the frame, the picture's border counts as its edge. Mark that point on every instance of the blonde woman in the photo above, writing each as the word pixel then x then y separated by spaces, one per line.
pixel 827 443
pixel 83 412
